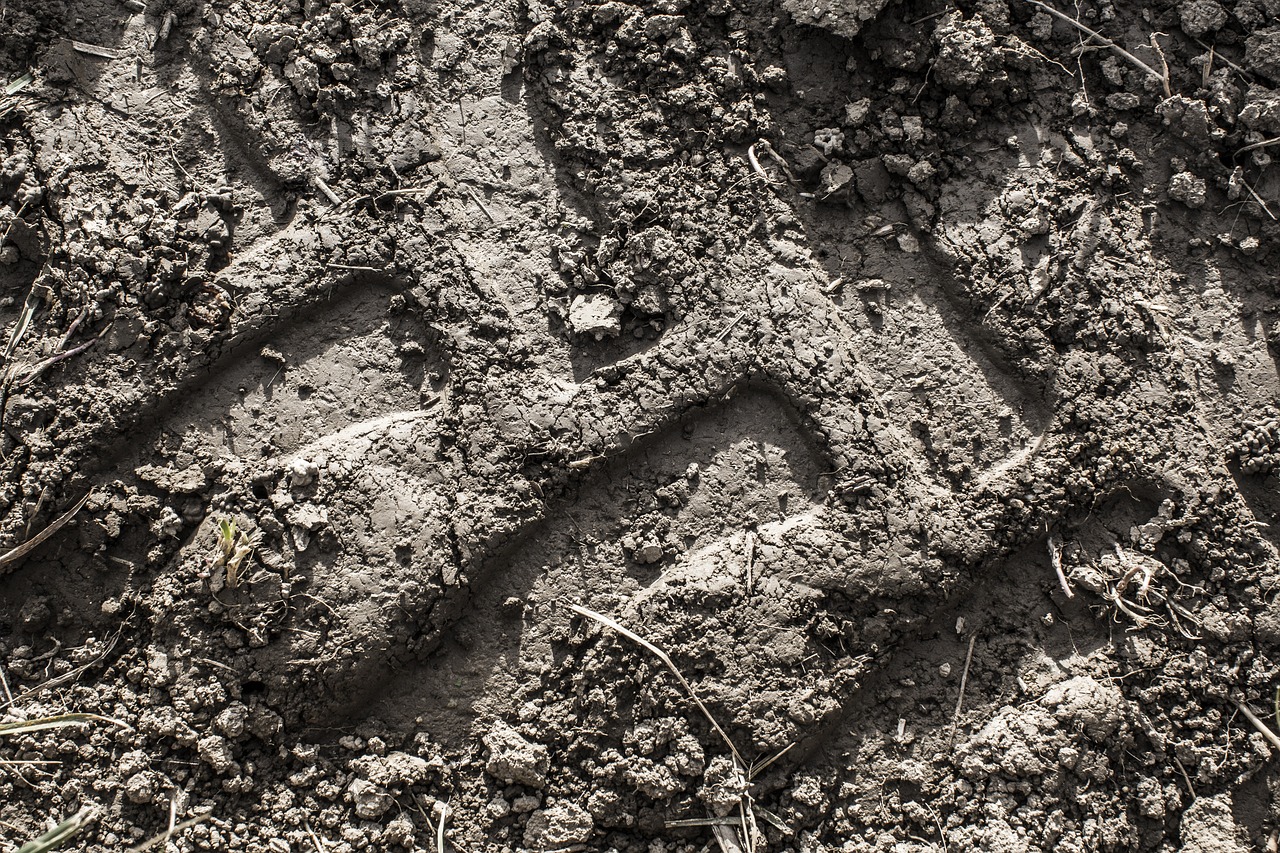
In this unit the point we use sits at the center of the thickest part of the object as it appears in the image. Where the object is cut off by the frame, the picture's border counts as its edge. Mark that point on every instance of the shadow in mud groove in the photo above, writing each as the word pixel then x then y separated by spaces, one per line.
pixel 687 507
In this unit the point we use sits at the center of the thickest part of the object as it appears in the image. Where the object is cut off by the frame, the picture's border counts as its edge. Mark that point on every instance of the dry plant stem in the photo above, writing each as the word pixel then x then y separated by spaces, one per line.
pixel 700 821
pixel 95 50
pixel 755 165
pixel 964 682
pixel 17 85
pixel 757 769
pixel 4 682
pixel 777 158
pixel 171 831
pixel 1185 778
pixel 1266 143
pixel 324 187
pixel 1257 723
pixel 31 544
pixel 169 20
pixel 62 833
pixel 40 368
pixel 726 838
pixel 746 811
pixel 1213 54
pixel 1258 199
pixel 14 221
pixel 480 204
pixel 315 839
pixel 72 675
pixel 1164 65
pixel 1055 557
pixel 1106 42
pixel 662 656
pixel 24 321
pixel 729 328
pixel 75 324
pixel 58 722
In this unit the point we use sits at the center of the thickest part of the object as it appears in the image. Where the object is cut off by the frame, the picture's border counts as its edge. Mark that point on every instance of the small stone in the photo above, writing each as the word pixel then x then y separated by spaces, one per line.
pixel 216 752
pixel 370 801
pixel 525 804
pixel 400 831
pixel 140 788
pixel 1188 189
pixel 35 614
pixel 557 826
pixel 231 721
pixel 1201 17
pixel 1209 824
pixel 1262 52
pixel 835 178
pixel 498 808
pixel 514 759
pixel 855 114
pixel 650 552
pixel 302 472
pixel 595 314
pixel 397 768
pixel 132 762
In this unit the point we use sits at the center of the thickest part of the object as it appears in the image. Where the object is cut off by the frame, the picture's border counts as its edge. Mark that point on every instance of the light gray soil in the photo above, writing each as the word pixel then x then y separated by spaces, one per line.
pixel 906 371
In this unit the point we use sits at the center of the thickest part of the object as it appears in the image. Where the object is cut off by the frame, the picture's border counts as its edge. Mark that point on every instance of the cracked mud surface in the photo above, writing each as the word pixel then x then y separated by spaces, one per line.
pixel 907 372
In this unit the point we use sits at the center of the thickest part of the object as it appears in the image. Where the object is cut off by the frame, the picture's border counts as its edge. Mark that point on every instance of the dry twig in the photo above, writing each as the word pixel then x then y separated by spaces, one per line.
pixel 726 835
pixel 16 554
pixel 62 833
pixel 61 721
pixel 614 625
pixel 964 682
pixel 171 831
pixel 1266 143
pixel 1257 723
pixel 1055 557
pixel 1105 42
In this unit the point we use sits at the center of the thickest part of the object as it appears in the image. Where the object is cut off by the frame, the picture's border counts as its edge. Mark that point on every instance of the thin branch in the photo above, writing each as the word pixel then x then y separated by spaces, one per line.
pixel 1055 557
pixel 964 682
pixel 636 638
pixel 1256 145
pixel 31 544
pixel 1257 723
pixel 1106 42
pixel 169 833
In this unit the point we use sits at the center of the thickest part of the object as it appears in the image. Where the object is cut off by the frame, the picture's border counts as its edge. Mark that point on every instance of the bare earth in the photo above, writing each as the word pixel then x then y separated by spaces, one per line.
pixel 906 372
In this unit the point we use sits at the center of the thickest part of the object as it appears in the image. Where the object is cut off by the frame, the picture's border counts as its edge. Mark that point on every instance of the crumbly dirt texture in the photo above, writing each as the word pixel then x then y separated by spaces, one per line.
pixel 905 371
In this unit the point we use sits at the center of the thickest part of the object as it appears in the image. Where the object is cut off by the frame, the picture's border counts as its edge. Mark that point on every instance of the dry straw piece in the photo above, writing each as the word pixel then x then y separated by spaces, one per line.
pixel 736 834
pixel 31 544
pixel 1106 42
pixel 62 833
pixel 60 721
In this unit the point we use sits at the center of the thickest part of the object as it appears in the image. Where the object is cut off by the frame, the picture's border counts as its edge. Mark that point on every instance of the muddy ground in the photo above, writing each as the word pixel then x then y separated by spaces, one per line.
pixel 907 371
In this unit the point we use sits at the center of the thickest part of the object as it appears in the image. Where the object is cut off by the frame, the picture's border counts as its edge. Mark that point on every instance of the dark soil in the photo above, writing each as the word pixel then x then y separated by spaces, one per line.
pixel 908 372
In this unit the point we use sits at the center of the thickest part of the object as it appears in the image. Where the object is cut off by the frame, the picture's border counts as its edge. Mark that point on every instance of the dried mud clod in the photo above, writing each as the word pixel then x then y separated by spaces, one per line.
pixel 573 426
